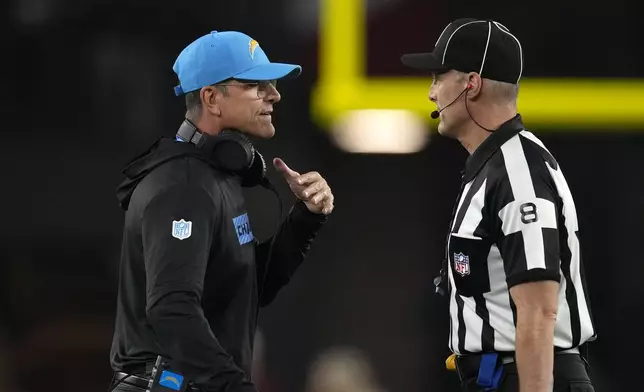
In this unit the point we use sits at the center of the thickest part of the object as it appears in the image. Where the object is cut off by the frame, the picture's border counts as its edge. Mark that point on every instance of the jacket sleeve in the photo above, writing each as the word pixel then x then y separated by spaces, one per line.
pixel 177 234
pixel 292 241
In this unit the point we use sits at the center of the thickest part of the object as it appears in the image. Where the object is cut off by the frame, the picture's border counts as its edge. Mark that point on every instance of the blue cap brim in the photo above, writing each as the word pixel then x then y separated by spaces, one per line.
pixel 270 71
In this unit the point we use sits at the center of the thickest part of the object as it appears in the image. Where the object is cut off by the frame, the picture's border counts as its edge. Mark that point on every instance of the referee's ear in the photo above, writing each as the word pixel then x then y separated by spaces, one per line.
pixel 474 84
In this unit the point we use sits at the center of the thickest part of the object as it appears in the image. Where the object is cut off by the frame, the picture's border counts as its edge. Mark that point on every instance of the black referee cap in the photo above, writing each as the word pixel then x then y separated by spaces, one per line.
pixel 473 45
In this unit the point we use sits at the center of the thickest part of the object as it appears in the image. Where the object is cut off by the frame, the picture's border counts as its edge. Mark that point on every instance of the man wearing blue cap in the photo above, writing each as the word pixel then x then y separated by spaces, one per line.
pixel 236 65
pixel 192 274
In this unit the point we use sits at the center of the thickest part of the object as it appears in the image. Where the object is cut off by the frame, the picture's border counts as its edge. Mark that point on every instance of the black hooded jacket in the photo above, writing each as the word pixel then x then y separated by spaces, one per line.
pixel 191 271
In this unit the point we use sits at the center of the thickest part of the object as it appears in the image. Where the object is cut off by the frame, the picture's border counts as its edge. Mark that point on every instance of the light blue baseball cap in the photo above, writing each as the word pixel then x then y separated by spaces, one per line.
pixel 222 55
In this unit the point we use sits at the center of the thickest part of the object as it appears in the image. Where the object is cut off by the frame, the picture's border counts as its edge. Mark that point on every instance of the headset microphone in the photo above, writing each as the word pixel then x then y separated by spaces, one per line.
pixel 436 113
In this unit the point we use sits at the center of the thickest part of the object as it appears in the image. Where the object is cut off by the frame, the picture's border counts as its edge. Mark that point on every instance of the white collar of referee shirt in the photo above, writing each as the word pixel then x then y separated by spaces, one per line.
pixel 484 152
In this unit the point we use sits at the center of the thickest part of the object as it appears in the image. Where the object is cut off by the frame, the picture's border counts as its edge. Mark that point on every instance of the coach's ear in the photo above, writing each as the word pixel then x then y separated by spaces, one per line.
pixel 474 84
pixel 210 99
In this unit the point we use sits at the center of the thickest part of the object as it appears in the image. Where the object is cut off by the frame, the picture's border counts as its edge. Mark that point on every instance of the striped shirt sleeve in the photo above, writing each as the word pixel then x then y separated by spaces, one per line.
pixel 526 203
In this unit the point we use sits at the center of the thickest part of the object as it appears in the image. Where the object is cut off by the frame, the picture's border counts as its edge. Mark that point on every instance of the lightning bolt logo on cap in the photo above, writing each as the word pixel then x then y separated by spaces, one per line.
pixel 252 45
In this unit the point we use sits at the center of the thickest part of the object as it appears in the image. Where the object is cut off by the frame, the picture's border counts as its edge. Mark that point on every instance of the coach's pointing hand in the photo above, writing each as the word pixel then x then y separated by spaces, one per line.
pixel 309 187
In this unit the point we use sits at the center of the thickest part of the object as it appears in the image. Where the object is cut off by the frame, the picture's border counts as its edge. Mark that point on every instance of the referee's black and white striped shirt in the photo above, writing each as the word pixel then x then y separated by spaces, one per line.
pixel 515 222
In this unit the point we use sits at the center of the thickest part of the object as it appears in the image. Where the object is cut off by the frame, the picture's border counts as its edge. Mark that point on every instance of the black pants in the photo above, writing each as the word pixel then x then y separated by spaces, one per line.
pixel 570 374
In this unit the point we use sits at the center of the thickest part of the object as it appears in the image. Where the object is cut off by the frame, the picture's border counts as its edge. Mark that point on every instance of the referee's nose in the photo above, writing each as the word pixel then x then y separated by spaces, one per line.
pixel 432 94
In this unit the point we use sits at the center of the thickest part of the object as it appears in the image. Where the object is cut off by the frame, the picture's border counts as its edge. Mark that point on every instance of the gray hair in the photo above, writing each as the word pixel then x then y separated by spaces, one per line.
pixel 193 102
pixel 502 92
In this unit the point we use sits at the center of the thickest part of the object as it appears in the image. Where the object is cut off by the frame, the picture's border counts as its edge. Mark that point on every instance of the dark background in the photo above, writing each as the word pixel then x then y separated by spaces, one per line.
pixel 86 84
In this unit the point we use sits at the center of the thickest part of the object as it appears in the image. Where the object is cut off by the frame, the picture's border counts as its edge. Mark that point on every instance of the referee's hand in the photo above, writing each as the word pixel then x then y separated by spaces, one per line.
pixel 309 187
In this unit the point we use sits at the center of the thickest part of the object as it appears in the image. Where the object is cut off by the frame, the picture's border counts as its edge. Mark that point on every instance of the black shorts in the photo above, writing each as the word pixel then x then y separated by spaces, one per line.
pixel 570 374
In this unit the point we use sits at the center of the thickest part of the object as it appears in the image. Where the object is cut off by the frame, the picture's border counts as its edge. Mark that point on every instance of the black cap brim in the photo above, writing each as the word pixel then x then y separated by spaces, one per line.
pixel 423 61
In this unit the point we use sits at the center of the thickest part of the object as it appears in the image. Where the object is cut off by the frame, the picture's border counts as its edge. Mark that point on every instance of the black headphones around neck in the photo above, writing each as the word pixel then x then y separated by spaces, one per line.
pixel 230 151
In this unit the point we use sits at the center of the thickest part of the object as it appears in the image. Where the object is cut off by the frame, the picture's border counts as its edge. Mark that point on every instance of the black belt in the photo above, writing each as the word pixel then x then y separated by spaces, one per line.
pixel 138 381
pixel 124 378
pixel 468 365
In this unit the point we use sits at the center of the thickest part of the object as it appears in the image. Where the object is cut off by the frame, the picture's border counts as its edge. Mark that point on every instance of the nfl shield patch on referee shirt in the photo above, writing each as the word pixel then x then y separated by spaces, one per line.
pixel 461 264
pixel 242 227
